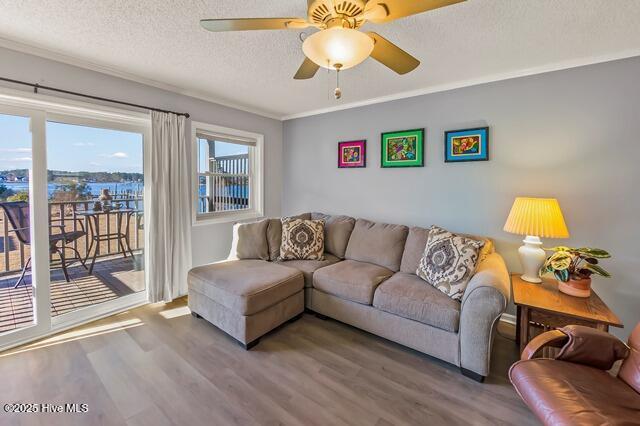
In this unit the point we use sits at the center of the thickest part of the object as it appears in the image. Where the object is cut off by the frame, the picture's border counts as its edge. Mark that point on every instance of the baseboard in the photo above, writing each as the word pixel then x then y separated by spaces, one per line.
pixel 508 318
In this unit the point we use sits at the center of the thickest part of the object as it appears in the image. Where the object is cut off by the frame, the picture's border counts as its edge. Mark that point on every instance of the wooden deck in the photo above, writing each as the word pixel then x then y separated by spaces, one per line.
pixel 112 277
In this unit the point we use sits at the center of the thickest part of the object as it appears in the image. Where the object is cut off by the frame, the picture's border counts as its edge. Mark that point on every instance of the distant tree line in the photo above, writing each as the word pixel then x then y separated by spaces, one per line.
pixel 99 177
pixel 69 189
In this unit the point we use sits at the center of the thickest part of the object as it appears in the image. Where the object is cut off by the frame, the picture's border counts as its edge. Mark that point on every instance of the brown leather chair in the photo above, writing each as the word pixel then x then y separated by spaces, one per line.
pixel 575 388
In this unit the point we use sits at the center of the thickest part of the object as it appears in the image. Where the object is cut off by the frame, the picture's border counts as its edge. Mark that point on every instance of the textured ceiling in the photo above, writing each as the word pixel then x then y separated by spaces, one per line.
pixel 471 41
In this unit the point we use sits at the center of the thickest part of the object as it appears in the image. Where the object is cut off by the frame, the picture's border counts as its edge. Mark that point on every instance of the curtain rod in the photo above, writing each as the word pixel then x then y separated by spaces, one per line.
pixel 37 86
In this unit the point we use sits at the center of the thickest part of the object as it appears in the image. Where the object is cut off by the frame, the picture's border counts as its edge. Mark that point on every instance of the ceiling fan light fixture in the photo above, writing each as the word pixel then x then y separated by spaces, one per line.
pixel 343 46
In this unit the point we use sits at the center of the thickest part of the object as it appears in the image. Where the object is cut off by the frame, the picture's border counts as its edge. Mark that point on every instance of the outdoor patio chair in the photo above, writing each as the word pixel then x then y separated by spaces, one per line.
pixel 18 214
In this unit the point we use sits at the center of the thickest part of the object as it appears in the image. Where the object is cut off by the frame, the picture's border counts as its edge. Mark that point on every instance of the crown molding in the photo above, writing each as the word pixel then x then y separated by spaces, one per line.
pixel 558 66
pixel 104 69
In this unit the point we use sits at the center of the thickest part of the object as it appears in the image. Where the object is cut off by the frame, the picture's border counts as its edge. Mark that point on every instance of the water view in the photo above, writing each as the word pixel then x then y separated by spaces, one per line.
pixel 94 187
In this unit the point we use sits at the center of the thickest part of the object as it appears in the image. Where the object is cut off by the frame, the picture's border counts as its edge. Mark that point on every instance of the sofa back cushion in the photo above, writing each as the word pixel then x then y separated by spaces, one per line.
pixel 250 241
pixel 274 234
pixel 417 241
pixel 378 243
pixel 337 230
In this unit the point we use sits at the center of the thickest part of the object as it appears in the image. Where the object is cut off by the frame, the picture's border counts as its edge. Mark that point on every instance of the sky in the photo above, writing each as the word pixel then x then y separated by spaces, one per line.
pixel 70 147
pixel 222 149
pixel 80 148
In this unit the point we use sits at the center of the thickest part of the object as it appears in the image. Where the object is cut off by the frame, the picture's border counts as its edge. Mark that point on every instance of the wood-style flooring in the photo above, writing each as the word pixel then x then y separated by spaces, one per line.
pixel 157 365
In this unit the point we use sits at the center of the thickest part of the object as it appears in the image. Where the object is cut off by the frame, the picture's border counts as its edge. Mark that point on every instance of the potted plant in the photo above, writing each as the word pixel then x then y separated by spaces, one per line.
pixel 573 268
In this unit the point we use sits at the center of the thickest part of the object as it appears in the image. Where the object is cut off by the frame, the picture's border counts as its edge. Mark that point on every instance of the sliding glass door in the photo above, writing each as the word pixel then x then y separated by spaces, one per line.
pixel 95 205
pixel 71 220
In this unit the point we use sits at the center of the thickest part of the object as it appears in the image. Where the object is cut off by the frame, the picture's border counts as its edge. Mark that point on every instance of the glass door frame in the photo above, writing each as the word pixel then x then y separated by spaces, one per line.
pixel 38 213
pixel 40 109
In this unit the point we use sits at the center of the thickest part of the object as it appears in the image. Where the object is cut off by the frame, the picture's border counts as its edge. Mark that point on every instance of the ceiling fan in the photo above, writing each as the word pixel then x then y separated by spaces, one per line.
pixel 339 45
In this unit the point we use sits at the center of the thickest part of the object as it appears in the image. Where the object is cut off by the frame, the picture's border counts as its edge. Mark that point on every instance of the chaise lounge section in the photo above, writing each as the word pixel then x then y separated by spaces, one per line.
pixel 367 280
pixel 246 298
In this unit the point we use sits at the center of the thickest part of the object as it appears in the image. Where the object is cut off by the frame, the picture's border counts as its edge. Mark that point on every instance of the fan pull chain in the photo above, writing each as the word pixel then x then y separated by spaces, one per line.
pixel 338 92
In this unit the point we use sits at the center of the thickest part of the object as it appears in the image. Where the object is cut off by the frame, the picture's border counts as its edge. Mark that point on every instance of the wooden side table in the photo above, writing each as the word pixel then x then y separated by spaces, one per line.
pixel 541 307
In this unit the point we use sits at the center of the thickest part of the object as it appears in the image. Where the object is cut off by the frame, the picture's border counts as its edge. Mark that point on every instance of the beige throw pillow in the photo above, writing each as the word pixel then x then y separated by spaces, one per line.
pixel 449 261
pixel 302 239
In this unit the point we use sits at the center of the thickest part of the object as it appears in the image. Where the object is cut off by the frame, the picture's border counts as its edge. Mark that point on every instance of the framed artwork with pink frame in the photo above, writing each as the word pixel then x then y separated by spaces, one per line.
pixel 352 154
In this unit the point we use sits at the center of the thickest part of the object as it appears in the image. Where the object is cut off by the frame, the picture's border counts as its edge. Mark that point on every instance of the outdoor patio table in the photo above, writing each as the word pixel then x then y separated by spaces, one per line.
pixel 121 234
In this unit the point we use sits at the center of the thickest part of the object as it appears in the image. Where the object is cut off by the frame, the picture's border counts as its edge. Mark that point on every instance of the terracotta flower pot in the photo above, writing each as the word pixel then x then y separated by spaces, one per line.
pixel 577 288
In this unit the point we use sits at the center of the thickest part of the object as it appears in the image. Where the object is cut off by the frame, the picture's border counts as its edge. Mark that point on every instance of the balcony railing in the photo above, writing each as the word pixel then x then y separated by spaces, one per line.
pixel 226 186
pixel 64 213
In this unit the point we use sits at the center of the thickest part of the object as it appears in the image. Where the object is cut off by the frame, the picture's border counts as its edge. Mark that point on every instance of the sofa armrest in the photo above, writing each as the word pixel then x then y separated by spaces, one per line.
pixel 484 301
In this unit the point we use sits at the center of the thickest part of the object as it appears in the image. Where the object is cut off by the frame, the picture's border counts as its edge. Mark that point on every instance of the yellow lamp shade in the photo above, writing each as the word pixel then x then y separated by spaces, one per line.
pixel 540 217
pixel 338 46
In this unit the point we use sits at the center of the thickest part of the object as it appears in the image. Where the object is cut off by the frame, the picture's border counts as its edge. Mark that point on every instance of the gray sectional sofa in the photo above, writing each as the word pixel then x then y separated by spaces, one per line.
pixel 367 280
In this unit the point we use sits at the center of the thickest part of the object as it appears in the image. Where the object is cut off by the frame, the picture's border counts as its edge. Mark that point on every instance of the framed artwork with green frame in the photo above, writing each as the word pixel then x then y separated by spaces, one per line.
pixel 402 149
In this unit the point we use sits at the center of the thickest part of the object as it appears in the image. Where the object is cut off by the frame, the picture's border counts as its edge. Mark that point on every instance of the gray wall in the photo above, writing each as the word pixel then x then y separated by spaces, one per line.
pixel 572 134
pixel 209 242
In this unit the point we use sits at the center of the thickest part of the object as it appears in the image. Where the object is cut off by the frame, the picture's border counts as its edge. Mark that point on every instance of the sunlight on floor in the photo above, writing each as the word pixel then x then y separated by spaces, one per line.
pixel 78 334
pixel 175 312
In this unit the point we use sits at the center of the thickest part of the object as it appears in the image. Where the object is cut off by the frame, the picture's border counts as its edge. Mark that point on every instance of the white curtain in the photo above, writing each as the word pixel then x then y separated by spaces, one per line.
pixel 169 228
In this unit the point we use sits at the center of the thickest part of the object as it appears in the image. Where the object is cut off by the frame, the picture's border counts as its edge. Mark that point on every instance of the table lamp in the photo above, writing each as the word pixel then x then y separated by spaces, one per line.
pixel 536 218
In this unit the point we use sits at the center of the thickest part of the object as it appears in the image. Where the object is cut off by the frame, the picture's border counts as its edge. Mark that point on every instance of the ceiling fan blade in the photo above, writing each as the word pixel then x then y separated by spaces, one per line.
pixel 246 24
pixel 307 70
pixel 390 55
pixel 379 11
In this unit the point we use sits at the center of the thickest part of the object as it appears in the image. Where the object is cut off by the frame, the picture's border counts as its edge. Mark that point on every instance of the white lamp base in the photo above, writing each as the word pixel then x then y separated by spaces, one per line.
pixel 532 257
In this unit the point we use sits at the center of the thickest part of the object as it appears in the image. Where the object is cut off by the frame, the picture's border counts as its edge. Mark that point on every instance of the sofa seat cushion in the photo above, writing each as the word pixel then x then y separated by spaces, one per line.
pixel 564 393
pixel 351 280
pixel 246 286
pixel 308 267
pixel 408 296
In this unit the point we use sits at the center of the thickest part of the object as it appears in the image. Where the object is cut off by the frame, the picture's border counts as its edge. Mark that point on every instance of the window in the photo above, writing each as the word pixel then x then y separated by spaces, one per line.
pixel 228 177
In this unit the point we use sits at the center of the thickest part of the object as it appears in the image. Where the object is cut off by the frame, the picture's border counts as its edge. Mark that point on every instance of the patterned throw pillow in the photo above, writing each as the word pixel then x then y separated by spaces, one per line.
pixel 449 261
pixel 302 239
